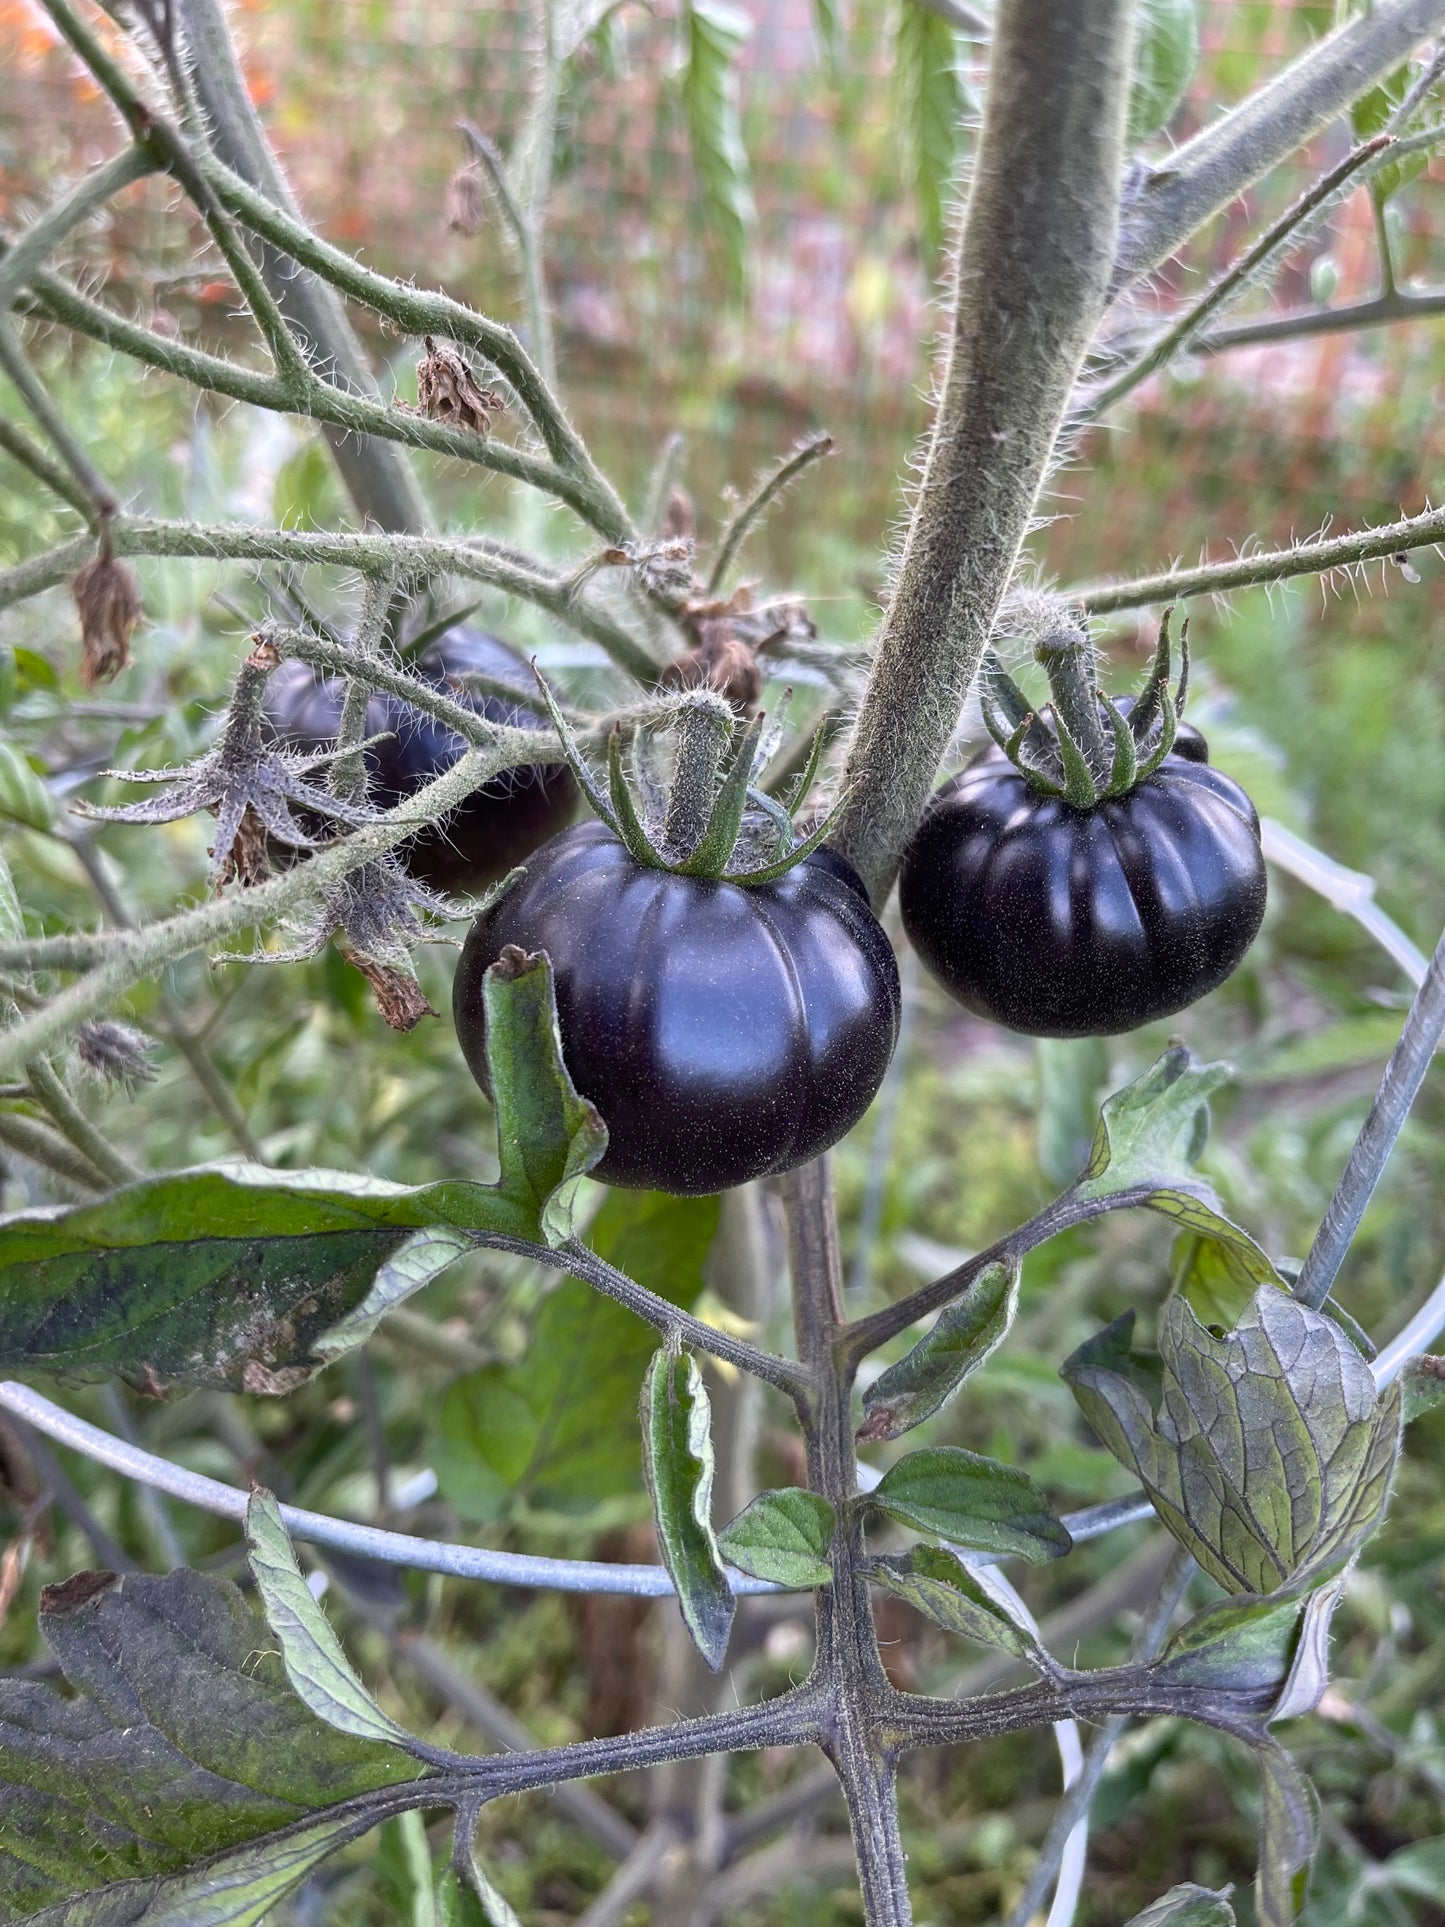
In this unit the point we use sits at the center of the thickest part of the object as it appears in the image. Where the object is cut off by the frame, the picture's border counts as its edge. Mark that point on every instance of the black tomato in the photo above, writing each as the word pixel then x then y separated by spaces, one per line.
pixel 499 824
pixel 724 1032
pixel 1065 922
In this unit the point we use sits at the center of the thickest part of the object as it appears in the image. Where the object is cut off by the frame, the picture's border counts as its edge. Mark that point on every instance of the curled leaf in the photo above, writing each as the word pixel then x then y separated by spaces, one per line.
pixel 1267 1452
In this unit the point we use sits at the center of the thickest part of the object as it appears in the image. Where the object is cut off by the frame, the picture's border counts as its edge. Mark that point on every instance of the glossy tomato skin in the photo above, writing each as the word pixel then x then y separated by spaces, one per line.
pixel 723 1033
pixel 499 824
pixel 1060 922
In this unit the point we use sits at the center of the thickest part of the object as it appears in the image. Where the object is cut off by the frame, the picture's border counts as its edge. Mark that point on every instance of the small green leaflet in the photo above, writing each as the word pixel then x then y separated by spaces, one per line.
pixel 1188 1906
pixel 931 102
pixel 24 799
pixel 555 1430
pixel 961 1339
pixel 1166 51
pixel 784 1536
pixel 473 1902
pixel 237 1276
pixel 1267 1452
pixel 678 1455
pixel 942 1588
pixel 184 1783
pixel 1150 1136
pixel 1423 1385
pixel 713 32
pixel 316 1666
pixel 1288 1829
pixel 1242 1645
pixel 973 1502
pixel 1370 115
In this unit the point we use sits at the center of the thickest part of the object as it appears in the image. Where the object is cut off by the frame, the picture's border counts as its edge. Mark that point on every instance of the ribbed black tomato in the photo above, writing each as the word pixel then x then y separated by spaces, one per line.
pixel 723 1031
pixel 500 823
pixel 1065 922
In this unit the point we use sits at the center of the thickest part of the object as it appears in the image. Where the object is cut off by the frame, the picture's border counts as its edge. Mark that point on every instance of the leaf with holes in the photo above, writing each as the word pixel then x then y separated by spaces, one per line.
pixel 184 1782
pixel 678 1455
pixel 241 1277
pixel 972 1502
pixel 964 1335
pixel 784 1536
pixel 1267 1452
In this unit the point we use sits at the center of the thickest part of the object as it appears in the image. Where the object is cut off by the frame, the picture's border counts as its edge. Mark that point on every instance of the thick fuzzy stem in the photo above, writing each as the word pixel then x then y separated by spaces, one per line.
pixel 704 730
pixel 1067 658
pixel 1032 280
pixel 848 1660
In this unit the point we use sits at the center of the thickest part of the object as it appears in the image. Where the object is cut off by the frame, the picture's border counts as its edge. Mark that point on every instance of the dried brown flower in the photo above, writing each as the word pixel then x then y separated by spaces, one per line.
pixel 466 204
pixel 447 391
pixel 107 596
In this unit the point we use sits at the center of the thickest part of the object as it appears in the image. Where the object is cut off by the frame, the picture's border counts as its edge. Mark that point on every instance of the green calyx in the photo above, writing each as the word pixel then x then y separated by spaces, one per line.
pixel 1082 747
pixel 712 818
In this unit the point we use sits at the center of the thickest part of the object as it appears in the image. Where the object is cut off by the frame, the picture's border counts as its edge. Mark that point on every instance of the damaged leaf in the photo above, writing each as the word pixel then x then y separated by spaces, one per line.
pixel 184 1744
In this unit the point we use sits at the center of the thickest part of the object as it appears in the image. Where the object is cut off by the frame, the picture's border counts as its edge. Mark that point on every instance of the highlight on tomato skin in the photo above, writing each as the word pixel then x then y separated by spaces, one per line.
pixel 724 1031
pixel 500 824
pixel 1064 922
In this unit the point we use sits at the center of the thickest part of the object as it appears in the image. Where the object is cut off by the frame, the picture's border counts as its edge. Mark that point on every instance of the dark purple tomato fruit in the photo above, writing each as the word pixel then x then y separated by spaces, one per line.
pixel 1065 922
pixel 499 824
pixel 723 1031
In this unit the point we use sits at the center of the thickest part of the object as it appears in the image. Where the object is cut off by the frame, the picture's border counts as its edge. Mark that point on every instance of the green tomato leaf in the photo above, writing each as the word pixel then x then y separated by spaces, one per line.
pixel 24 799
pixel 931 103
pixel 1267 1452
pixel 962 1338
pixel 250 1279
pixel 183 1744
pixel 318 1669
pixel 712 35
pixel 1149 1138
pixel 1288 1829
pixel 973 1502
pixel 1423 1386
pixel 1242 1645
pixel 940 1586
pixel 1418 1869
pixel 555 1431
pixel 784 1536
pixel 1369 116
pixel 678 1456
pixel 1188 1906
pixel 1166 52
pixel 473 1902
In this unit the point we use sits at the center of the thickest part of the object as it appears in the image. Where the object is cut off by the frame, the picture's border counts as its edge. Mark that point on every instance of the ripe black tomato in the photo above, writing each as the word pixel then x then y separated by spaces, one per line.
pixel 723 1032
pixel 500 823
pixel 1064 922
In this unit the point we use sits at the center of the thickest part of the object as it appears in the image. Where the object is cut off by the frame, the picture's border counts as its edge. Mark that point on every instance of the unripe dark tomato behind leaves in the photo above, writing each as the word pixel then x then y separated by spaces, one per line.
pixel 724 1032
pixel 499 824
pixel 1064 922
